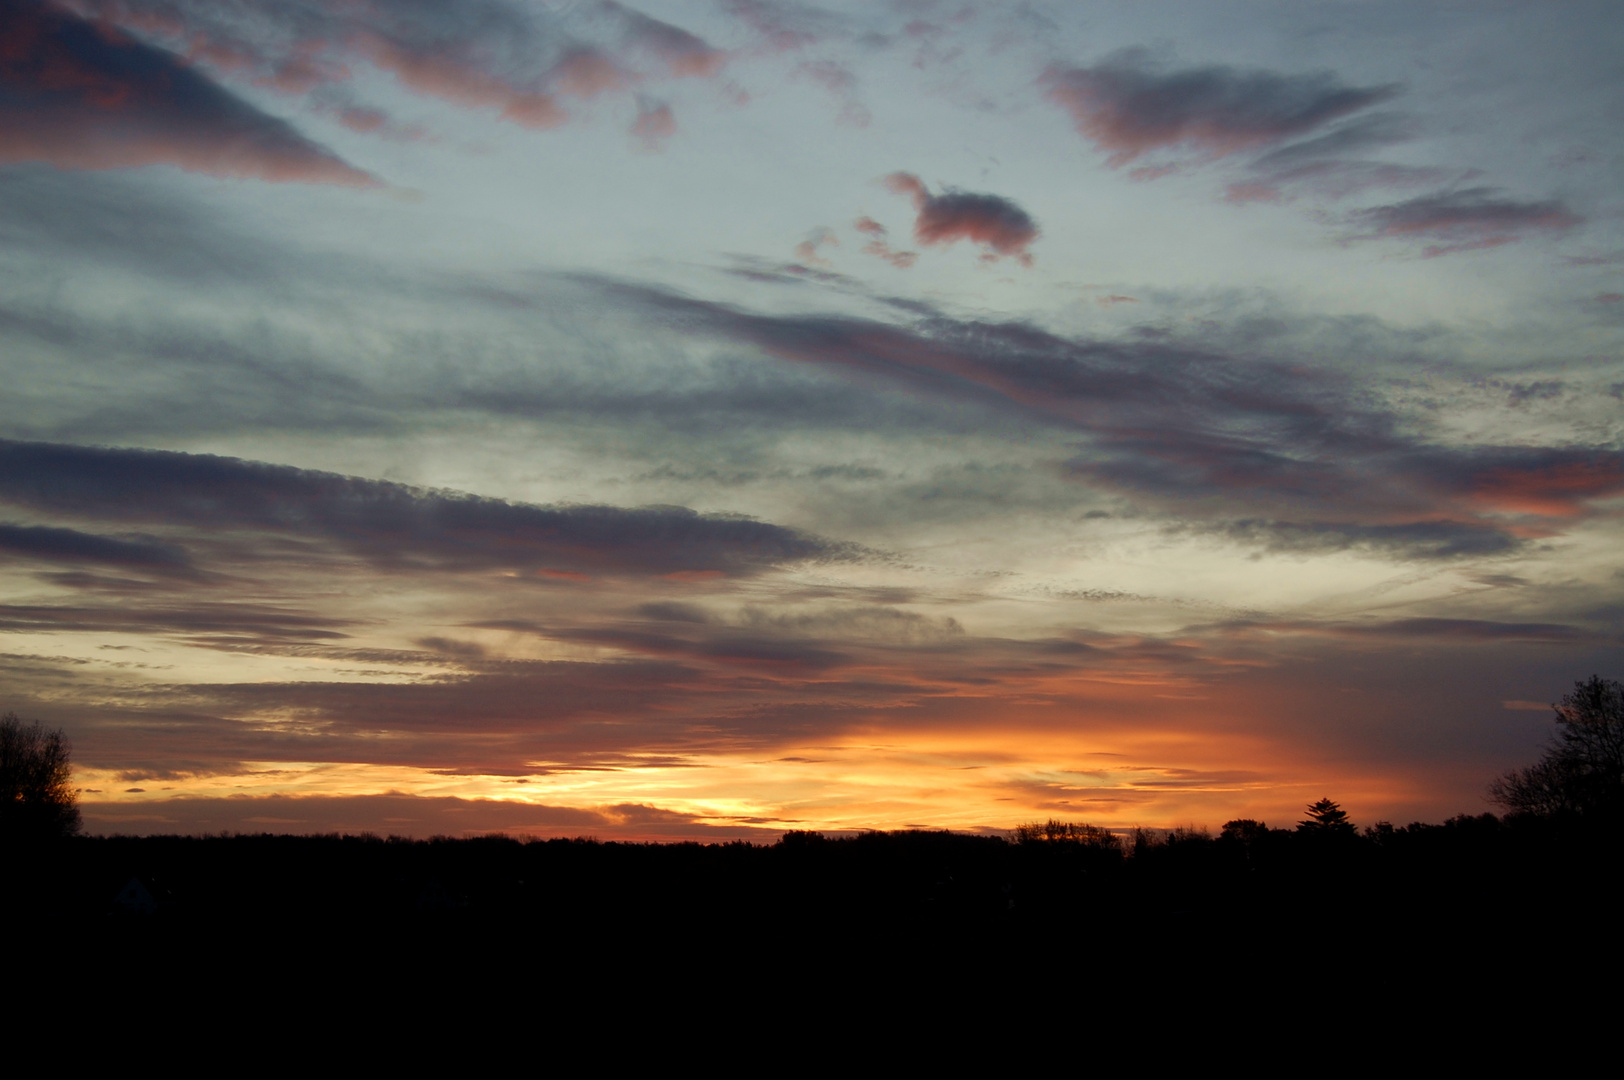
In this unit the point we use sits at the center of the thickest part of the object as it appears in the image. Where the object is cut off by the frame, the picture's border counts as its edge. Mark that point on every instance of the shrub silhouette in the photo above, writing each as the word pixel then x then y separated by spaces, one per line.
pixel 37 800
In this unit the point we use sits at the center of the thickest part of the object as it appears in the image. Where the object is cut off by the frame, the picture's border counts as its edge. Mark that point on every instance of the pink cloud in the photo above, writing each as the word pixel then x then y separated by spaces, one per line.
pixel 1556 490
pixel 879 247
pixel 654 123
pixel 587 73
pixel 1250 193
pixel 463 84
pixel 476 54
pixel 989 220
pixel 807 250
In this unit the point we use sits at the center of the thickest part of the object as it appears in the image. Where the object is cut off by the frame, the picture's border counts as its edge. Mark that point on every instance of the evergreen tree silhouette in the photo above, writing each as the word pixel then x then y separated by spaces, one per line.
pixel 1326 818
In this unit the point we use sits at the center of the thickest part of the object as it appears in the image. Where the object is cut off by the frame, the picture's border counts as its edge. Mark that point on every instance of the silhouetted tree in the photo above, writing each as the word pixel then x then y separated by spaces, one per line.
pixel 1244 830
pixel 37 800
pixel 1068 832
pixel 1326 818
pixel 1582 771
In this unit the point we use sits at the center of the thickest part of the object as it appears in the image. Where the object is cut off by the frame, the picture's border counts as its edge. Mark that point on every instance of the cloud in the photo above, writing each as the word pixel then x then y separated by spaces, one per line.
pixel 1411 540
pixel 519 60
pixel 1469 219
pixel 654 123
pixel 235 623
pixel 391 525
pixel 418 816
pixel 1129 106
pixel 82 95
pixel 992 221
pixel 1278 452
pixel 838 79
pixel 1461 631
pixel 781 27
pixel 72 546
pixel 807 250
pixel 683 53
pixel 880 247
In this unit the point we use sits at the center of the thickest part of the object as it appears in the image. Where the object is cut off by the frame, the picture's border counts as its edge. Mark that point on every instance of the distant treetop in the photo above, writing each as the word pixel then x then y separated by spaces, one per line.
pixel 1327 818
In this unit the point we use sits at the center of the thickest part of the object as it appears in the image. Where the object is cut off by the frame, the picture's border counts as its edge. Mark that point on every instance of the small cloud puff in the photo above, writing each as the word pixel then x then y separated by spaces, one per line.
pixel 989 220
pixel 807 250
pixel 654 123
pixel 879 247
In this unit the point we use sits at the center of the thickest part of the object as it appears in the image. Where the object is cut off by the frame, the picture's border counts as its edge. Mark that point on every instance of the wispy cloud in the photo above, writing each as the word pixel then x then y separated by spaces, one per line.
pixel 520 61
pixel 1468 219
pixel 390 525
pixel 1289 455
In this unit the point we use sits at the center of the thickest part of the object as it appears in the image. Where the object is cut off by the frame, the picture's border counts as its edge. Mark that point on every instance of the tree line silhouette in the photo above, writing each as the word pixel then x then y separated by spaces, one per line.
pixel 1252 892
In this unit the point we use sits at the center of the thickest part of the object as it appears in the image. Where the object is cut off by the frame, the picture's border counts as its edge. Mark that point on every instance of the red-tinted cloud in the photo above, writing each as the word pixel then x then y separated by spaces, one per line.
pixel 989 220
pixel 1129 107
pixel 880 247
pixel 82 95
pixel 493 54
pixel 461 83
pixel 1465 220
pixel 807 250
pixel 654 123
pixel 1553 489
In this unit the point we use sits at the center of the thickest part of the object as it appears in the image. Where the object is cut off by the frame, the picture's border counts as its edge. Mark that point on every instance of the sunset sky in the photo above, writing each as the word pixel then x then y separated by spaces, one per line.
pixel 700 420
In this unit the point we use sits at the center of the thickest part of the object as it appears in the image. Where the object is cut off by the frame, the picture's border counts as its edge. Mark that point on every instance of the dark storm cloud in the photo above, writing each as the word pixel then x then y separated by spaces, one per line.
pixel 391 525
pixel 1464 220
pixel 1294 455
pixel 1130 106
pixel 72 546
pixel 83 95
pixel 992 221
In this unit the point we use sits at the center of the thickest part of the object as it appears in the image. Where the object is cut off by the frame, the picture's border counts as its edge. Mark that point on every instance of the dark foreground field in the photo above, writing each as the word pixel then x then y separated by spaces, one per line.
pixel 1476 894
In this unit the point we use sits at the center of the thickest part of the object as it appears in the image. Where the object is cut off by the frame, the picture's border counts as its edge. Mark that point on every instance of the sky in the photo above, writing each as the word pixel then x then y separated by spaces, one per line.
pixel 701 420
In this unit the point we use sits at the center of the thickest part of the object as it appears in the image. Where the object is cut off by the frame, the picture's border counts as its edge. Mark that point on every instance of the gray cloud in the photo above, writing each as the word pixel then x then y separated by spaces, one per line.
pixel 72 546
pixel 1202 433
pixel 1464 220
pixel 391 525
pixel 1130 106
